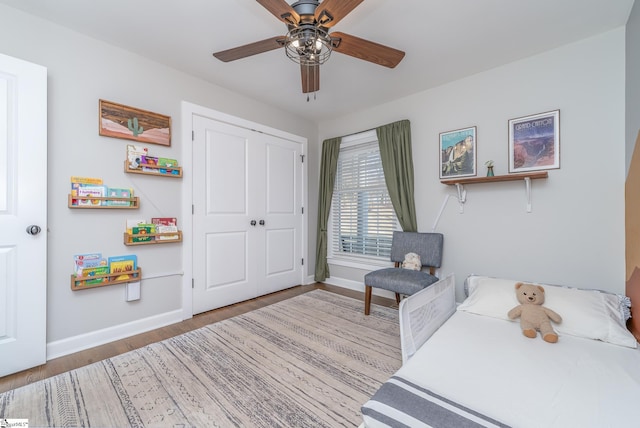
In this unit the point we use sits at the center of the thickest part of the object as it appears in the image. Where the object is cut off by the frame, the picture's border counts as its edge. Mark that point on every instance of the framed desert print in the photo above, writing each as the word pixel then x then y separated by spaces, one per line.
pixel 534 142
pixel 458 153
pixel 130 123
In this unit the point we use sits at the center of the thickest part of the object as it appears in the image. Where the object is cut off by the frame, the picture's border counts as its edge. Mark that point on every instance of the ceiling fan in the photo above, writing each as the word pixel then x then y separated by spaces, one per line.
pixel 308 41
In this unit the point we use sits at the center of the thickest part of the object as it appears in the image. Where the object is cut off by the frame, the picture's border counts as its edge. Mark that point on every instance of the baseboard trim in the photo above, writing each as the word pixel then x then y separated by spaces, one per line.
pixel 81 342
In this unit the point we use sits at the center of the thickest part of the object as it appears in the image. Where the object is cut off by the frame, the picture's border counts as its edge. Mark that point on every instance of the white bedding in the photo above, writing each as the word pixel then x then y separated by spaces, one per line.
pixel 486 364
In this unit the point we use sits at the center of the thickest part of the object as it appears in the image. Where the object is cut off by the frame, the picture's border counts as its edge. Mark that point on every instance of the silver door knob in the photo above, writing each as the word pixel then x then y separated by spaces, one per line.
pixel 33 229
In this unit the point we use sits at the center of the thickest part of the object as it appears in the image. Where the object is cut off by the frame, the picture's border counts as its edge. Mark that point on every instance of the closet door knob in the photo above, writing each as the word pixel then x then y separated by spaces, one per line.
pixel 253 223
pixel 261 222
pixel 33 229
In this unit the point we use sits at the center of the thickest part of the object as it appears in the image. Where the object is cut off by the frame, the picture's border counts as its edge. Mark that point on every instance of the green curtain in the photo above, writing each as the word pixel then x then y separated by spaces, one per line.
pixel 328 168
pixel 397 162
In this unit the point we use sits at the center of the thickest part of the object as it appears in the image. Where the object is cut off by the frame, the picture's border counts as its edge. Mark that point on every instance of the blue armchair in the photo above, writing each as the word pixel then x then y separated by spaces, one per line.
pixel 405 281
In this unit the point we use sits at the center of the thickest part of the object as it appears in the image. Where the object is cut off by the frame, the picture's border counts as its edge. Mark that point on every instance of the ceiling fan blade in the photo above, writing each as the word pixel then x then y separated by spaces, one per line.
pixel 329 12
pixel 281 10
pixel 310 78
pixel 250 49
pixel 366 50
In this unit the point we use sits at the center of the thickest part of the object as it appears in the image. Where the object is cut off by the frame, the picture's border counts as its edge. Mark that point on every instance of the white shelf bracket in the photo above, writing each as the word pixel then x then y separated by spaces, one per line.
pixel 462 196
pixel 527 186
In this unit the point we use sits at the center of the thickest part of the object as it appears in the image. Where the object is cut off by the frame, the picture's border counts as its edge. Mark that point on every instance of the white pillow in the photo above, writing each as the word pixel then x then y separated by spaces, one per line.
pixel 585 313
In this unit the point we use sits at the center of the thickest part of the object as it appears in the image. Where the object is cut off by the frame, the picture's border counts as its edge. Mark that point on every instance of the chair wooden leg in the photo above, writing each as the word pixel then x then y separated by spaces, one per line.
pixel 398 298
pixel 367 299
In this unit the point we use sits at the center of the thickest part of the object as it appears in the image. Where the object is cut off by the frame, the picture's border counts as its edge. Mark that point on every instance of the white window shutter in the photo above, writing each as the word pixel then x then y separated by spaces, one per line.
pixel 363 219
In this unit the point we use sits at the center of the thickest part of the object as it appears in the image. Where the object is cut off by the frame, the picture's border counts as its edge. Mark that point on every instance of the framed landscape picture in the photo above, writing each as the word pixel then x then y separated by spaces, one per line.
pixel 534 142
pixel 130 123
pixel 458 153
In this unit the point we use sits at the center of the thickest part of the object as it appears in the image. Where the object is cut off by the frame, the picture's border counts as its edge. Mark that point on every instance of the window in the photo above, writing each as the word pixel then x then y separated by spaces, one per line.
pixel 362 217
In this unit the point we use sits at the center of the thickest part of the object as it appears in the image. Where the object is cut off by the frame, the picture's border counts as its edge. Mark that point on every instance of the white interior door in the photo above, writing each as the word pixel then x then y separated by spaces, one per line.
pixel 222 270
pixel 282 214
pixel 247 220
pixel 23 214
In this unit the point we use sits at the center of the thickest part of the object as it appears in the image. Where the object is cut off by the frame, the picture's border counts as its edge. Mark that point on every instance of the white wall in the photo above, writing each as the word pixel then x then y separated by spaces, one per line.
pixel 575 234
pixel 81 71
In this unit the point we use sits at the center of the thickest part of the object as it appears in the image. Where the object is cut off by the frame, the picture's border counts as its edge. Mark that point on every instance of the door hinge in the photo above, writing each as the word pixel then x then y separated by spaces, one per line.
pixel 193 283
pixel 302 158
pixel 301 210
pixel 302 262
pixel 193 209
pixel 193 135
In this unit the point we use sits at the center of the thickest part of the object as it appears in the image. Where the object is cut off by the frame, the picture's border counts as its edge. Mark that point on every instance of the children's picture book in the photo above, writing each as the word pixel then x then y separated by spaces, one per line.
pixel 150 169
pixel 123 265
pixel 119 193
pixel 164 221
pixel 141 232
pixel 87 260
pixel 166 225
pixel 134 155
pixel 134 222
pixel 77 182
pixel 168 171
pixel 92 272
pixel 149 160
pixel 86 192
pixel 166 229
pixel 167 162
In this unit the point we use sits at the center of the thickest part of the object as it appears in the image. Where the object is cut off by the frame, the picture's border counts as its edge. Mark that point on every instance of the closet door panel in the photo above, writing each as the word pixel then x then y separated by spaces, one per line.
pixel 223 251
pixel 283 214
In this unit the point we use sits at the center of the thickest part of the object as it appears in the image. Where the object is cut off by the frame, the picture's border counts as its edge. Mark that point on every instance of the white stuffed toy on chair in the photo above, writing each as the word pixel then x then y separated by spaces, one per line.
pixel 412 261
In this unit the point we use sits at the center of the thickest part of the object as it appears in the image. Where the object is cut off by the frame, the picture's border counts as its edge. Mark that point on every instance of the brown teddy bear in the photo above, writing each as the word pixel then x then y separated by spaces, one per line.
pixel 534 316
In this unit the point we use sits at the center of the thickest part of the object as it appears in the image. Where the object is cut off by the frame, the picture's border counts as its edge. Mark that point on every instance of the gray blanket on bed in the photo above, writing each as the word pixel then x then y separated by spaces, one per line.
pixel 400 403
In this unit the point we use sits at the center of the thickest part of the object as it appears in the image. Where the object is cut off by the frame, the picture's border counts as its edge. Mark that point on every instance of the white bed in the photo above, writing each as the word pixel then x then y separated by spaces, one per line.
pixel 482 370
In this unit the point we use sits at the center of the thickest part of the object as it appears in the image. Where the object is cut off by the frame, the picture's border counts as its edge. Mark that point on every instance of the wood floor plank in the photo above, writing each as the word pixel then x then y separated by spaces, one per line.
pixel 79 359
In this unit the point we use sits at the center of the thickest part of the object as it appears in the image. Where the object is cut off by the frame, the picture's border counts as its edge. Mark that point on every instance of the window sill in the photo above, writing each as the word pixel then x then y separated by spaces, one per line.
pixel 358 263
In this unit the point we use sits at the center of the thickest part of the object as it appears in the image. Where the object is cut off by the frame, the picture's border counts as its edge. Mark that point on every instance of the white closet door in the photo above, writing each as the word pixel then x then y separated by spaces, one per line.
pixel 247 222
pixel 282 214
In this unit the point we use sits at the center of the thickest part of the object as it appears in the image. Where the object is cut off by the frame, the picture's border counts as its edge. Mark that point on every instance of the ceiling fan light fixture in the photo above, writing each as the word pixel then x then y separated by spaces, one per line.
pixel 308 42
pixel 308 45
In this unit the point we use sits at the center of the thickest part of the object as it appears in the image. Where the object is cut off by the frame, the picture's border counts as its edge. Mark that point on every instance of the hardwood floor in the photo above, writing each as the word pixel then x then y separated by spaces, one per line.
pixel 83 358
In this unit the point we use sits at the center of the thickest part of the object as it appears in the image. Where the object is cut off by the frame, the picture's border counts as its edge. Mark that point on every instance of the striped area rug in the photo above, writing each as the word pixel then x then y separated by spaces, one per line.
pixel 309 361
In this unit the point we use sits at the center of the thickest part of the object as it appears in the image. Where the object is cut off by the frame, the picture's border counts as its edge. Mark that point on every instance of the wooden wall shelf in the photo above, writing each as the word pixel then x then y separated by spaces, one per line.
pixel 134 202
pixel 493 179
pixel 155 170
pixel 128 238
pixel 80 282
pixel 526 176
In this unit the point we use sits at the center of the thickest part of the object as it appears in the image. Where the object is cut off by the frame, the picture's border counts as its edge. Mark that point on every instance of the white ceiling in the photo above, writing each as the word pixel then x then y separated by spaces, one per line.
pixel 444 40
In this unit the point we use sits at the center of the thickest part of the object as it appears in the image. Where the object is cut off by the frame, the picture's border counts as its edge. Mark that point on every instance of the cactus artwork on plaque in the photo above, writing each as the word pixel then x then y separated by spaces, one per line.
pixel 134 127
pixel 130 123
